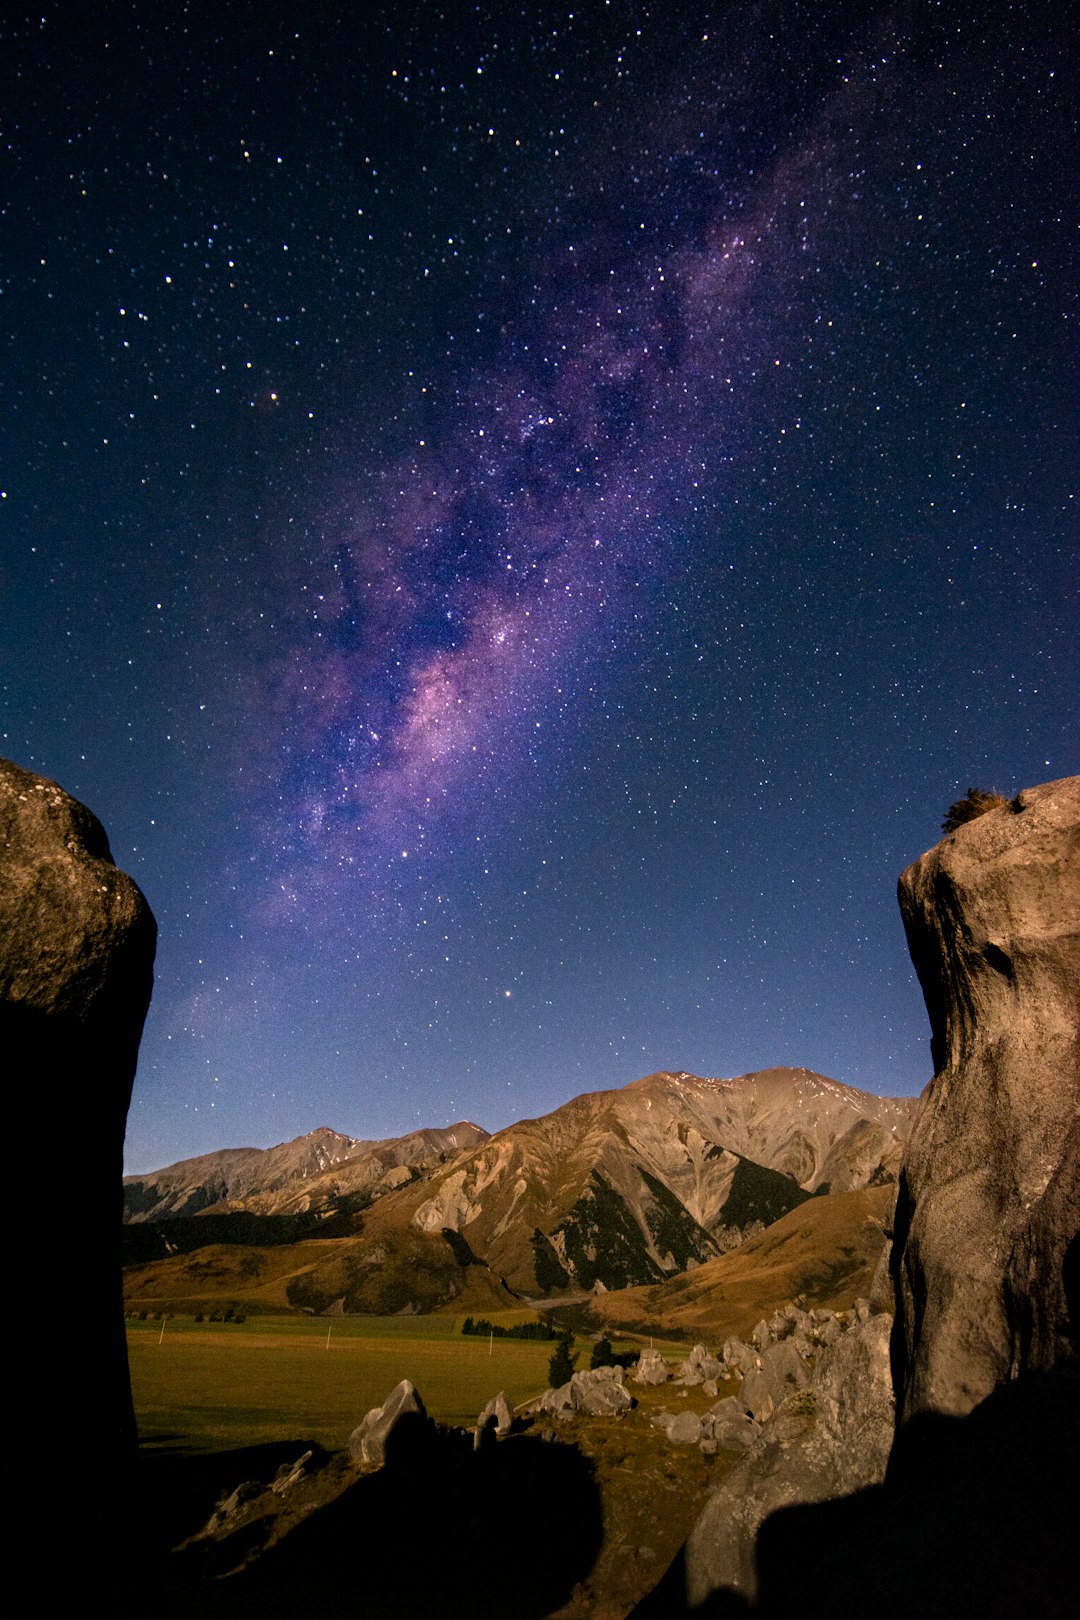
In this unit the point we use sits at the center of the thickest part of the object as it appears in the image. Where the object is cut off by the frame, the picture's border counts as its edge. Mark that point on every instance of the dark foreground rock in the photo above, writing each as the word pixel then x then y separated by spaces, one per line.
pixel 76 968
pixel 989 1194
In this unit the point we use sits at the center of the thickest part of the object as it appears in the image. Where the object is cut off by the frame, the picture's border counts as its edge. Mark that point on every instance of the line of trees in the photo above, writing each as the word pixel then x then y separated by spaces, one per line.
pixel 482 1328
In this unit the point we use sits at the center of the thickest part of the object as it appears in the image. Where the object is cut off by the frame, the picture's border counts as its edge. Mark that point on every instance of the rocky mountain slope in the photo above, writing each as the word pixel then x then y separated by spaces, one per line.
pixel 627 1187
pixel 314 1173
pixel 614 1189
pixel 827 1252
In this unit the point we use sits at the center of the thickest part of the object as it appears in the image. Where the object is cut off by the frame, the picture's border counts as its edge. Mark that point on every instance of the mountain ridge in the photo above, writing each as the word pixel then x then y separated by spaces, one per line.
pixel 617 1188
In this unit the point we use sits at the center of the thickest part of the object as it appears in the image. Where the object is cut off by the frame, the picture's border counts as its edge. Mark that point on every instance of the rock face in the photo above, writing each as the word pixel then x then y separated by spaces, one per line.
pixel 76 961
pixel 989 1196
pixel 76 968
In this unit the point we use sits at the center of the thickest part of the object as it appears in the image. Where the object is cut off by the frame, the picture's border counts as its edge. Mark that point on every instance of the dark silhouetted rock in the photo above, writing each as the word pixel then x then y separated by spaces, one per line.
pixel 989 1195
pixel 76 941
pixel 76 969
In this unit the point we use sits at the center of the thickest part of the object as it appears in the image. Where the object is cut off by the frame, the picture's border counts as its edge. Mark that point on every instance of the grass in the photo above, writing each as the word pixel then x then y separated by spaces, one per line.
pixel 206 1390
pixel 213 1386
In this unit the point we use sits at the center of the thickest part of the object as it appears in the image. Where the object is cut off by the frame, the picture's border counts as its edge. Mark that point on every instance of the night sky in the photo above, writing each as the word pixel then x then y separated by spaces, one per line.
pixel 520 521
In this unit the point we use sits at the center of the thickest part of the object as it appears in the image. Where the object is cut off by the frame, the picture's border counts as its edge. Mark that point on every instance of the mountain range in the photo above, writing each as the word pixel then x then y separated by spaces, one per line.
pixel 615 1189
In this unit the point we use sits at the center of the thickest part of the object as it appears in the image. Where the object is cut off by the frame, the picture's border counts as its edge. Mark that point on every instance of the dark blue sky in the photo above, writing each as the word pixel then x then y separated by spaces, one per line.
pixel 521 523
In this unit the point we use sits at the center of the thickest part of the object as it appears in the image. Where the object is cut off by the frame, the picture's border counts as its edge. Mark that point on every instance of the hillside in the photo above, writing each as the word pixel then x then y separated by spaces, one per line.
pixel 826 1251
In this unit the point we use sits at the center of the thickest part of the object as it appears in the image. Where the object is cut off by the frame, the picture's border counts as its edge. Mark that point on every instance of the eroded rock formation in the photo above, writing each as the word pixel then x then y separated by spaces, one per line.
pixel 989 1196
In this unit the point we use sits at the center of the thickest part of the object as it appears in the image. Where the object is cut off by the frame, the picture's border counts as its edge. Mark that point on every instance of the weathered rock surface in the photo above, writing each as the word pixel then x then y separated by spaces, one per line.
pixel 368 1441
pixel 989 1197
pixel 828 1439
pixel 699 1368
pixel 651 1368
pixel 684 1429
pixel 76 947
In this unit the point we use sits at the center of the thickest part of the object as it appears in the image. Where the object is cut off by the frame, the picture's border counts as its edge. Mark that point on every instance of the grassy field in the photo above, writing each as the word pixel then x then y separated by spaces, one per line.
pixel 212 1386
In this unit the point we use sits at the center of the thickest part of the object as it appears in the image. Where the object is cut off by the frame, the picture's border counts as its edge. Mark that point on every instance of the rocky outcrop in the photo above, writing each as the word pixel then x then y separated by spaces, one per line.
pixel 989 1197
pixel 497 1416
pixel 826 1438
pixel 76 967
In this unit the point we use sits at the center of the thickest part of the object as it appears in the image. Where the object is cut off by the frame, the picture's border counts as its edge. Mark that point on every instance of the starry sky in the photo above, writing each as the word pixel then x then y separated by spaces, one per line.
pixel 520 520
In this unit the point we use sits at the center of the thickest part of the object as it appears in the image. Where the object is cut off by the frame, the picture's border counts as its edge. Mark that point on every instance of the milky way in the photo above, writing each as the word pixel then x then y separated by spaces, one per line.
pixel 519 525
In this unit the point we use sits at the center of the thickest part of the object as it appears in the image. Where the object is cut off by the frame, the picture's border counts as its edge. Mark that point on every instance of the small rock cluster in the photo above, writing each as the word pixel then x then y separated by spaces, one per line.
pixel 601 1392
pixel 252 1490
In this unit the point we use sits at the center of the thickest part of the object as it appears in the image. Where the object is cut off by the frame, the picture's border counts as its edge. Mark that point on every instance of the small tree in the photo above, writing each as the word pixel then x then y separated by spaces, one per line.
pixel 976 802
pixel 561 1365
pixel 602 1353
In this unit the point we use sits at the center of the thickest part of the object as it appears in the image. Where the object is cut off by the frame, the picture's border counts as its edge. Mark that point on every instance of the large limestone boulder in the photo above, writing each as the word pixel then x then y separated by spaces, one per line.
pixel 989 1196
pixel 76 969
pixel 368 1441
pixel 651 1368
pixel 76 950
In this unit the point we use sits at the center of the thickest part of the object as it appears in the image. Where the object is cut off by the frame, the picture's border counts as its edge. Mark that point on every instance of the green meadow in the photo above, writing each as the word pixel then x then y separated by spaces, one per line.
pixel 212 1386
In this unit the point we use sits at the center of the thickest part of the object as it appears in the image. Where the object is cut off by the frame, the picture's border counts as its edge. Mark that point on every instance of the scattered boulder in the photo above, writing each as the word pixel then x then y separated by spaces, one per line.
pixel 497 1414
pixel 730 1424
pixel 827 1328
pixel 740 1357
pixel 989 1196
pixel 651 1368
pixel 684 1429
pixel 367 1443
pixel 783 1370
pixel 698 1367
pixel 757 1396
pixel 600 1392
pixel 231 1505
pixel 289 1473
